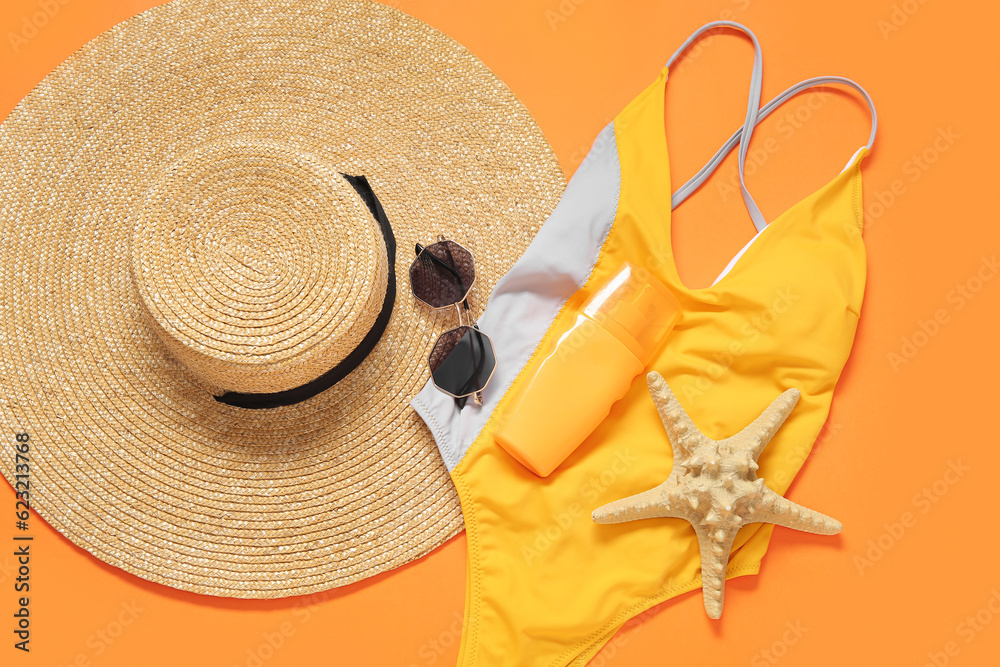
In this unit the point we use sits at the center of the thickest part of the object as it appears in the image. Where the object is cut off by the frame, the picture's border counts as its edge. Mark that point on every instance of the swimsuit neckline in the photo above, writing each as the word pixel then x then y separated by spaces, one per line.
pixel 756 244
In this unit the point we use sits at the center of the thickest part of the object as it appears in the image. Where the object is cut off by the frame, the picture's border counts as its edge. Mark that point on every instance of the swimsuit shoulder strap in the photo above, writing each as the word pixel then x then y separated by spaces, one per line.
pixel 737 136
pixel 753 104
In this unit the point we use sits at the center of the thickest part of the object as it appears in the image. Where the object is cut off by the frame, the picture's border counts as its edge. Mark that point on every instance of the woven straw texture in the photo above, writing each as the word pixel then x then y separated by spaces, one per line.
pixel 245 304
pixel 174 223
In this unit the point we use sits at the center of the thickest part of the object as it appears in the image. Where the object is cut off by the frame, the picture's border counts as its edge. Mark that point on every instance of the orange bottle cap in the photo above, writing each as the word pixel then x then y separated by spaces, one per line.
pixel 637 308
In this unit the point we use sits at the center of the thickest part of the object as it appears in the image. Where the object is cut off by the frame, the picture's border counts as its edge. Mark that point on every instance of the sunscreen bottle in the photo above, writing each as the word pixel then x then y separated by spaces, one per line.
pixel 589 367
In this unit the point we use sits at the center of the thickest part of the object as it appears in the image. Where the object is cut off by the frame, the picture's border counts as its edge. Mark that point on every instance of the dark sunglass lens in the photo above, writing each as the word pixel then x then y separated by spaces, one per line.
pixel 442 274
pixel 458 258
pixel 462 361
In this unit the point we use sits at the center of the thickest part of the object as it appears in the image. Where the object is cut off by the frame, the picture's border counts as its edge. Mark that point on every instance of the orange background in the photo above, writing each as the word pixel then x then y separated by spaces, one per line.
pixel 897 424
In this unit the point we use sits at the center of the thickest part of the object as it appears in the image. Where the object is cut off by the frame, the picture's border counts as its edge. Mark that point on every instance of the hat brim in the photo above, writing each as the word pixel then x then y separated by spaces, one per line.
pixel 130 457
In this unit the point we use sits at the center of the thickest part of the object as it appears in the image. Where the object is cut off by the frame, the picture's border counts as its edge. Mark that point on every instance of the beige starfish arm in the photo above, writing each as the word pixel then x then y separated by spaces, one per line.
pixel 716 544
pixel 760 431
pixel 656 503
pixel 681 431
pixel 776 509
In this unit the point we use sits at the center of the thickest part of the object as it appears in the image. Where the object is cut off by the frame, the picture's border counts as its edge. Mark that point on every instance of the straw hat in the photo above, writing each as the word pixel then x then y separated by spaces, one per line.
pixel 177 224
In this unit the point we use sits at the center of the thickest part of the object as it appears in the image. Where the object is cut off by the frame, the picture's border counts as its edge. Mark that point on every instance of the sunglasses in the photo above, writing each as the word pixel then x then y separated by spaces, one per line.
pixel 462 360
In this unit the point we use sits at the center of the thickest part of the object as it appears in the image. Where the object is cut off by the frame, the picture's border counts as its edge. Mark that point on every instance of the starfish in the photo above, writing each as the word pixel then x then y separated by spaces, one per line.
pixel 714 486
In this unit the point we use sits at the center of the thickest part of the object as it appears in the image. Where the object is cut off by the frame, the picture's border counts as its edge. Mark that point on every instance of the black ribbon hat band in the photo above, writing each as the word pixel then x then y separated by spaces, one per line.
pixel 298 394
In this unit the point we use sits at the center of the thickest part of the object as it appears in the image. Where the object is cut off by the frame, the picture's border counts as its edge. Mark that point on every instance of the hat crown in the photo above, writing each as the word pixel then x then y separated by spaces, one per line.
pixel 258 265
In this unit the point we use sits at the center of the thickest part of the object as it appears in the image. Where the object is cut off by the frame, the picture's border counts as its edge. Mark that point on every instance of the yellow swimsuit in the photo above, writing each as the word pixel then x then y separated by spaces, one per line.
pixel 546 585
